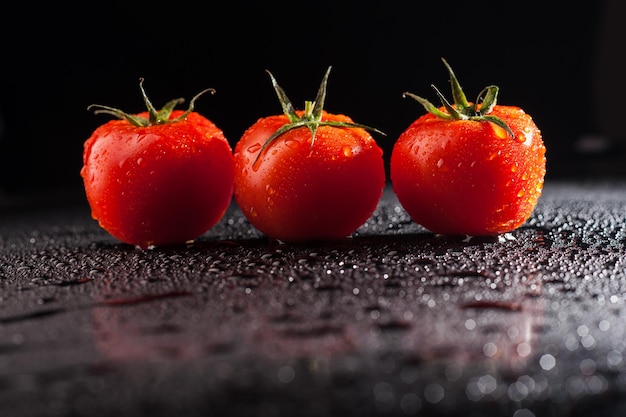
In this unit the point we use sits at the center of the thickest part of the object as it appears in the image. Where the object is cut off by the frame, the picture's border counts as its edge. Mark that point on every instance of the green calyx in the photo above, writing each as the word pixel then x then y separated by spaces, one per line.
pixel 462 109
pixel 155 117
pixel 311 117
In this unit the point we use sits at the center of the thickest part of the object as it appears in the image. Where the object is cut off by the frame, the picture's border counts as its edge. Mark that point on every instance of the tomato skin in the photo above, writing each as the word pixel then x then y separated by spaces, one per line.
pixel 159 184
pixel 298 192
pixel 469 177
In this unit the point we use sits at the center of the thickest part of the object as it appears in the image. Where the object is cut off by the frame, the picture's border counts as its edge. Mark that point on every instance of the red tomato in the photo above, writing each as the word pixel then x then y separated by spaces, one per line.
pixel 469 169
pixel 157 178
pixel 308 174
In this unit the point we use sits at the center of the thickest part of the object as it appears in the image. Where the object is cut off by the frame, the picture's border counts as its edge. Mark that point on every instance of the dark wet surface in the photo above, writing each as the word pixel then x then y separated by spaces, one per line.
pixel 391 322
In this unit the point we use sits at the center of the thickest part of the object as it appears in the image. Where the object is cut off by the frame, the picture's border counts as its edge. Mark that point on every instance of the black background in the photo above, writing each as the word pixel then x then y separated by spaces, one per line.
pixel 57 60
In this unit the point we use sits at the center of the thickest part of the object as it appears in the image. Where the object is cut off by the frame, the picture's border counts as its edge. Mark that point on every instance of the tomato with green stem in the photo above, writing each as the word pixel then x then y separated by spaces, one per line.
pixel 159 177
pixel 308 174
pixel 469 168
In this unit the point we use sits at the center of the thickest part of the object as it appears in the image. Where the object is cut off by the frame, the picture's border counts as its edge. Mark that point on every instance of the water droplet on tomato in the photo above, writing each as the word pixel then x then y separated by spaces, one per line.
pixel 292 143
pixel 253 213
pixel 526 137
pixel 141 162
pixel 347 151
pixel 514 168
pixel 269 189
pixel 440 163
pixel 520 193
pixel 254 148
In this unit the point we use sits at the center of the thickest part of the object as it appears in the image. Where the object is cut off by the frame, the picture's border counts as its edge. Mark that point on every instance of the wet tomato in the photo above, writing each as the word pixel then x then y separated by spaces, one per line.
pixel 157 177
pixel 469 168
pixel 308 174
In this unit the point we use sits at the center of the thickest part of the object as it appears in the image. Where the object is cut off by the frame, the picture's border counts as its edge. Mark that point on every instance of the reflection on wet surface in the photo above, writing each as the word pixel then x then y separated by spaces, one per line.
pixel 393 321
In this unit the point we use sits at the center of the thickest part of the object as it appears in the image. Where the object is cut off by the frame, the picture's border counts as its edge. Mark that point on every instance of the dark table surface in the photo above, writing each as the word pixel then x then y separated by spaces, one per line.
pixel 392 321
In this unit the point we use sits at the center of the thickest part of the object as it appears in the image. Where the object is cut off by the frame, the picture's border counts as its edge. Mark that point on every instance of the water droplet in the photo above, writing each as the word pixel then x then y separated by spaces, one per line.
pixel 547 362
pixel 286 374
pixel 523 349
pixel 270 192
pixel 440 163
pixel 487 384
pixel 254 148
pixel 518 391
pixel 588 367
pixel 453 372
pixel 526 137
pixel 604 325
pixel 614 359
pixel 347 151
pixel 490 349
pixel 292 143
pixel 434 393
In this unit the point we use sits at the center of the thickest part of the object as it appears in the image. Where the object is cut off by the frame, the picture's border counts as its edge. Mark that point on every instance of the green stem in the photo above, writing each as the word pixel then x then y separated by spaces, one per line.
pixel 462 109
pixel 155 116
pixel 311 117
